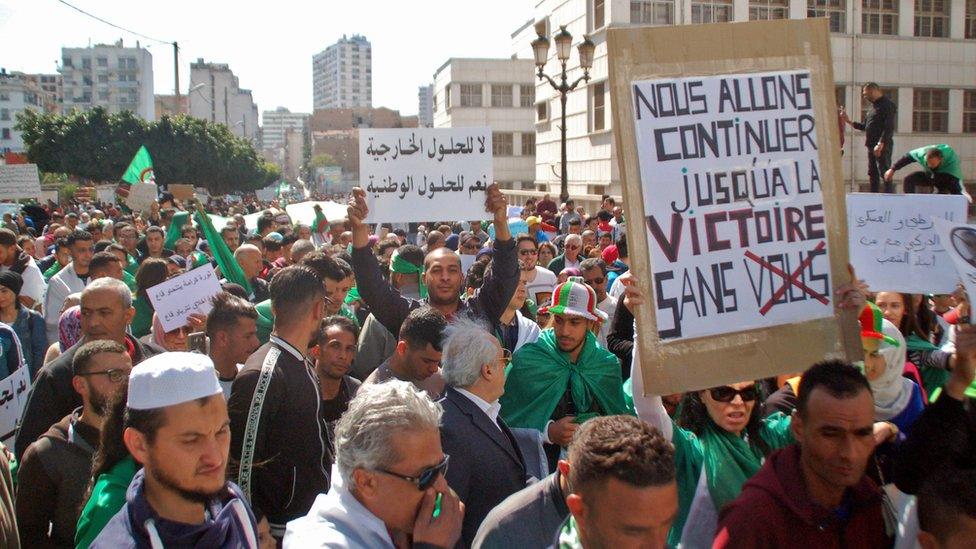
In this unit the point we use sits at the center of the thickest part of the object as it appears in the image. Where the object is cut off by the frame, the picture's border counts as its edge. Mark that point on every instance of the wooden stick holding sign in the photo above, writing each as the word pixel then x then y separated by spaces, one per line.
pixel 728 161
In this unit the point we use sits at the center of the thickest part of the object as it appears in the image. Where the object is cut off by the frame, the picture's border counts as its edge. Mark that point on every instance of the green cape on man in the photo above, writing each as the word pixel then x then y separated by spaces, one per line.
pixel 950 161
pixel 539 374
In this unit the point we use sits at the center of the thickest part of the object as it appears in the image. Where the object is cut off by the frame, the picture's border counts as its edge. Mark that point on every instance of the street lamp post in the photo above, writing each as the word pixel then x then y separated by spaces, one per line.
pixel 564 43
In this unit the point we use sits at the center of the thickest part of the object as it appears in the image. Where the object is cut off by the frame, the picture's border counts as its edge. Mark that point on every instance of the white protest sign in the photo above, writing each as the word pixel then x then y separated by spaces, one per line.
pixel 19 181
pixel 304 212
pixel 178 297
pixel 466 262
pixel 894 244
pixel 960 245
pixel 14 390
pixel 141 196
pixel 416 174
pixel 266 194
pixel 731 190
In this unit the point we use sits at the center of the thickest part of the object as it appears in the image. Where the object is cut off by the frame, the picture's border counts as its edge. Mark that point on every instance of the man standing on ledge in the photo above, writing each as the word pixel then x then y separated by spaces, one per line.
pixel 878 128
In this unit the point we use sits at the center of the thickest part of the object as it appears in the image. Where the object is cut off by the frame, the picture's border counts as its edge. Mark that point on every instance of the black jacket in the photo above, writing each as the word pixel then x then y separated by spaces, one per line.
pixel 486 465
pixel 943 437
pixel 879 122
pixel 52 397
pixel 288 456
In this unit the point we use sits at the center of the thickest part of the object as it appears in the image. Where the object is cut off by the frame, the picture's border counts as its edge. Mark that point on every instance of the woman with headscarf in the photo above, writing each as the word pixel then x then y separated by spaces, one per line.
pixel 897 399
pixel 27 324
pixel 69 333
pixel 933 363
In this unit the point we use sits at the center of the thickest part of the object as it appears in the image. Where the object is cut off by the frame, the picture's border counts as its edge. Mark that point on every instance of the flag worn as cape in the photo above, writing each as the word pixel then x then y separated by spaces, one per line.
pixel 225 258
pixel 949 164
pixel 539 374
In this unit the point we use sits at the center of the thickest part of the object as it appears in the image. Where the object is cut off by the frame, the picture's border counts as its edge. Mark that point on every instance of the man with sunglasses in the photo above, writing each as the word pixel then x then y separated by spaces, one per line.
pixel 388 487
pixel 571 254
pixel 55 470
pixel 594 271
pixel 487 465
pixel 539 281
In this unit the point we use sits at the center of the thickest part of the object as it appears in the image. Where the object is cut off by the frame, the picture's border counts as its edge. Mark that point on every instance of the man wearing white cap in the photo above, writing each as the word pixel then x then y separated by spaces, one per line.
pixel 176 426
pixel 564 377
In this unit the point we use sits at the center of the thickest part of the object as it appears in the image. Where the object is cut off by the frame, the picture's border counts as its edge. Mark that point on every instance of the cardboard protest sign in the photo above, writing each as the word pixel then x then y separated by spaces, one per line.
pixel 19 181
pixel 744 239
pixel 960 245
pixel 14 390
pixel 181 192
pixel 414 174
pixel 178 297
pixel 894 244
pixel 141 196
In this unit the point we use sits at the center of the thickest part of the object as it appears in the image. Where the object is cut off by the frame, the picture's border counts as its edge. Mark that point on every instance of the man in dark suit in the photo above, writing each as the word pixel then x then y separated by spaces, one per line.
pixel 878 127
pixel 486 465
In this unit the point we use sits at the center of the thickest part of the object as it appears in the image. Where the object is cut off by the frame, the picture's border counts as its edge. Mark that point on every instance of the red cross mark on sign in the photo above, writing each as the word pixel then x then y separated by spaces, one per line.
pixel 789 279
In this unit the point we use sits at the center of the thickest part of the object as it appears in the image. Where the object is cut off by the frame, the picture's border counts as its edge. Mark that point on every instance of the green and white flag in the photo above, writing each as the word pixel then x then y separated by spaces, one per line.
pixel 140 170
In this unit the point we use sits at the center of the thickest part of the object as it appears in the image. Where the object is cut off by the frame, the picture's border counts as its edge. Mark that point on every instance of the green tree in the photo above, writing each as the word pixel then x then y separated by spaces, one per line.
pixel 322 160
pixel 98 145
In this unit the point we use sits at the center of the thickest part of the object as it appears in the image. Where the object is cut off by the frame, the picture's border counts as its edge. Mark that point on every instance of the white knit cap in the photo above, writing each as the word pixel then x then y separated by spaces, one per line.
pixel 169 379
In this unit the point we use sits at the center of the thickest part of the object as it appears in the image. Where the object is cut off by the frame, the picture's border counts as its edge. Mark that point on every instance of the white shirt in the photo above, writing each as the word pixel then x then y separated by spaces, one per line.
pixel 63 284
pixel 34 285
pixel 490 409
pixel 608 306
pixel 543 283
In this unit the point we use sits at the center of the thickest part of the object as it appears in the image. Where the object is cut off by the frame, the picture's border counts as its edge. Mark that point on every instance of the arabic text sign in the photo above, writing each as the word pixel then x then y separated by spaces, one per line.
pixel 14 390
pixel 178 297
pixel 418 173
pixel 141 196
pixel 19 181
pixel 960 246
pixel 894 244
pixel 732 194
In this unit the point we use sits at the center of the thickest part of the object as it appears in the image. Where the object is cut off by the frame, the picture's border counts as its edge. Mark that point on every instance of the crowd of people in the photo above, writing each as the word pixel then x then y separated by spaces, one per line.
pixel 445 385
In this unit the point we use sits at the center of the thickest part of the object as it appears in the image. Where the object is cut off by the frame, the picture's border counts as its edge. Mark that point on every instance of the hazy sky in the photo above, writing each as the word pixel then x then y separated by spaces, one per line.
pixel 269 45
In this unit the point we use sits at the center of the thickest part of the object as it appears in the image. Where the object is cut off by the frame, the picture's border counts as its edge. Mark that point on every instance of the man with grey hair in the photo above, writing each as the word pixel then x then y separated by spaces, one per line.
pixel 106 311
pixel 388 486
pixel 570 257
pixel 486 464
pixel 300 249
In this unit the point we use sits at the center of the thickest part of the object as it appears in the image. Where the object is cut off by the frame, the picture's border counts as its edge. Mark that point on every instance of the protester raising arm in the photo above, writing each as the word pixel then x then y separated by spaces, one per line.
pixel 502 279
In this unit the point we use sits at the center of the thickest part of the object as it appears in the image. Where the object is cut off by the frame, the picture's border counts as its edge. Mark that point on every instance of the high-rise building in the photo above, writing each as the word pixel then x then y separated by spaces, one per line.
pixel 342 75
pixel 108 75
pixel 18 93
pixel 425 107
pixel 920 52
pixel 215 95
pixel 498 94
pixel 276 123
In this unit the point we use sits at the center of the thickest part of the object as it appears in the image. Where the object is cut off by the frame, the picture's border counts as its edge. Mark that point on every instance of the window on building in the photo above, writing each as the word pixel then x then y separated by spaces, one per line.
pixel 5 133
pixel 4 114
pixel 502 144
pixel 86 62
pixel 542 111
pixel 103 96
pixel 834 10
pixel 890 93
pixel 598 102
pixel 102 78
pixel 761 10
pixel 930 110
pixel 66 62
pixel 4 96
pixel 102 61
pixel 969 111
pixel 434 102
pixel 526 95
pixel 599 14
pixel 711 11
pixel 501 95
pixel 970 18
pixel 471 95
pixel 879 16
pixel 528 144
pixel 447 97
pixel 652 12
pixel 932 18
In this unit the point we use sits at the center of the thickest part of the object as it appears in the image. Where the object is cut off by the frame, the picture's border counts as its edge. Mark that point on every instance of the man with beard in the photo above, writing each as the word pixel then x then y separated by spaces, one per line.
pixel 334 351
pixel 55 470
pixel 565 377
pixel 279 438
pixel 177 428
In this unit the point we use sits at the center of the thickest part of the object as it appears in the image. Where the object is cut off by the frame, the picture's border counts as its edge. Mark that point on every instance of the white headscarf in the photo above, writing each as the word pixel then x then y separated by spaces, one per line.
pixel 892 391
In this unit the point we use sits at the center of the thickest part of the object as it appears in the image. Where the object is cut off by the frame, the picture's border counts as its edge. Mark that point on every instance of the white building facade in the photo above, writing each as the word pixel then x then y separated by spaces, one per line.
pixel 342 75
pixel 922 52
pixel 275 124
pixel 215 95
pixel 499 94
pixel 425 106
pixel 17 94
pixel 110 76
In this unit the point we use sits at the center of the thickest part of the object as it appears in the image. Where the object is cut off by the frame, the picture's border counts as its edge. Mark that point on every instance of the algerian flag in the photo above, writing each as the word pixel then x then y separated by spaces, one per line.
pixel 140 170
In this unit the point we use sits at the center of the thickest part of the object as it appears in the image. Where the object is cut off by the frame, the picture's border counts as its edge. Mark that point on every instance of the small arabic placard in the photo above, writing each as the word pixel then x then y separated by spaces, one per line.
pixel 894 245
pixel 14 390
pixel 180 296
pixel 19 181
pixel 417 174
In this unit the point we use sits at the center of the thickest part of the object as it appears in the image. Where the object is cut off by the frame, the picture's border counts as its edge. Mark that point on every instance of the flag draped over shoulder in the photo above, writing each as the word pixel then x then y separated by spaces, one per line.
pixel 225 258
pixel 140 170
pixel 175 229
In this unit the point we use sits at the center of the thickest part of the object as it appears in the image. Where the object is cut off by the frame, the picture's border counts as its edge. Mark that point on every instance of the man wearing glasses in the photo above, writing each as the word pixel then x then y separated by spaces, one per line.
pixel 539 281
pixel 487 465
pixel 388 487
pixel 570 257
pixel 594 271
pixel 55 469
